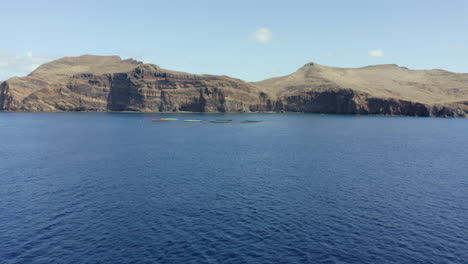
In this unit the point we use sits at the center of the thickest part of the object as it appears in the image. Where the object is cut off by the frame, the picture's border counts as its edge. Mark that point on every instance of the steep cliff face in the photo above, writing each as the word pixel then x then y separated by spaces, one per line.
pixel 108 83
pixel 4 98
pixel 347 101
pixel 375 90
pixel 95 83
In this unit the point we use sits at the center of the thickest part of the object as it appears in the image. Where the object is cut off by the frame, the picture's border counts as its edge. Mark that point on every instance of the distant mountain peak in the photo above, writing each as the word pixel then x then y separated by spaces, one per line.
pixel 68 66
pixel 311 66
pixel 385 66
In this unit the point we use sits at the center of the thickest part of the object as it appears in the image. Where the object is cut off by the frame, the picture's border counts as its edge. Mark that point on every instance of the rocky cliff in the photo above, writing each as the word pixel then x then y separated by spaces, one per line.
pixel 376 90
pixel 108 83
pixel 102 83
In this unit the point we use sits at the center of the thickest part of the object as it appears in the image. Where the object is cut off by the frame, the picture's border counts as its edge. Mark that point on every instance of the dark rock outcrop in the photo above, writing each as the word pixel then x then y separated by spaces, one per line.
pixel 349 102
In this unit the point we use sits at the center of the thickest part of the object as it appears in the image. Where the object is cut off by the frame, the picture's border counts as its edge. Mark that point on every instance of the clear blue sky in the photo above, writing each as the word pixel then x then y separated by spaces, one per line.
pixel 218 37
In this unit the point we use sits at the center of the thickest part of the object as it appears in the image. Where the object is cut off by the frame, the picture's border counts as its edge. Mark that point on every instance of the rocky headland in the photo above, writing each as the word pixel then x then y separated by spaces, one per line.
pixel 108 83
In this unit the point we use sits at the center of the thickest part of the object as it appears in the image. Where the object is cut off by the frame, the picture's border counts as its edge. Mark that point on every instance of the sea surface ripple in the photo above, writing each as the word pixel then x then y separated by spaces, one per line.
pixel 295 188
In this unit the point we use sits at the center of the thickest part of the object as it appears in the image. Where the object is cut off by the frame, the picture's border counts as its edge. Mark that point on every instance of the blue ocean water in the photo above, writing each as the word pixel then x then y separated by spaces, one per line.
pixel 296 188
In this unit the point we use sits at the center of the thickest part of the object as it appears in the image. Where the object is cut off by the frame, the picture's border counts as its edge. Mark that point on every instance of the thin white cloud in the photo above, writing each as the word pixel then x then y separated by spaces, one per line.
pixel 376 53
pixel 263 35
pixel 19 65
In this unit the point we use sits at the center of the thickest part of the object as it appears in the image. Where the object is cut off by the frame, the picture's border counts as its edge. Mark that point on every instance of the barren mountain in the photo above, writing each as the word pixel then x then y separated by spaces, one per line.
pixel 379 89
pixel 108 83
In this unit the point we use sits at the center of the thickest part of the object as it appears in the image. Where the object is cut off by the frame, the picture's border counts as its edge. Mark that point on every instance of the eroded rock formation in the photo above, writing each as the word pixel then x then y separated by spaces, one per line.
pixel 108 83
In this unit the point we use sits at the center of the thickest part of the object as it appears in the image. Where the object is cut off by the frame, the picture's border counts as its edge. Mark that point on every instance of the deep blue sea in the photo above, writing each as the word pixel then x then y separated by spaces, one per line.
pixel 295 188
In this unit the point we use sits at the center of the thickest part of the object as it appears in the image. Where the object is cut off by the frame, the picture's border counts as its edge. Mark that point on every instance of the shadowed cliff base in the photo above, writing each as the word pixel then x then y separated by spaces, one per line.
pixel 108 83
